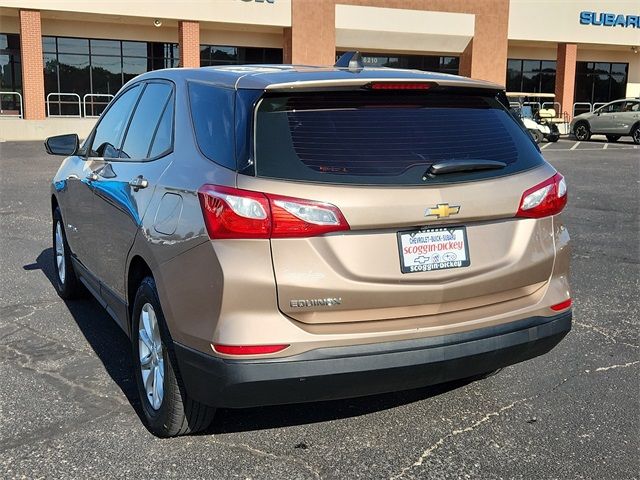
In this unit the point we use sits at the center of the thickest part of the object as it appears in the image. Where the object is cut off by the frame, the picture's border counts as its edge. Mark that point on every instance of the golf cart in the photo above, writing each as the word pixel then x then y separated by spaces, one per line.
pixel 540 122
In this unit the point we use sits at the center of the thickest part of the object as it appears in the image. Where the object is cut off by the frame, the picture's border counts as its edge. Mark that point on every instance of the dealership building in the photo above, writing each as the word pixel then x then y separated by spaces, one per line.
pixel 67 58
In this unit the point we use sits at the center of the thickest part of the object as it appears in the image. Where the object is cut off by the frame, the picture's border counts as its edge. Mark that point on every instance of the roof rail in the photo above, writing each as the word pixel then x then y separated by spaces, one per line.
pixel 351 60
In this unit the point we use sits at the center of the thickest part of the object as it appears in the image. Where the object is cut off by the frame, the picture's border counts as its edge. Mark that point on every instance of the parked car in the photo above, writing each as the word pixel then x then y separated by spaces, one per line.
pixel 616 119
pixel 279 234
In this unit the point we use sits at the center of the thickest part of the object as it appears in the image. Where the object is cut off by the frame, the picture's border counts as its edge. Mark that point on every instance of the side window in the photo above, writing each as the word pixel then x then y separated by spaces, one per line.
pixel 108 134
pixel 213 122
pixel 632 107
pixel 615 107
pixel 145 121
pixel 163 137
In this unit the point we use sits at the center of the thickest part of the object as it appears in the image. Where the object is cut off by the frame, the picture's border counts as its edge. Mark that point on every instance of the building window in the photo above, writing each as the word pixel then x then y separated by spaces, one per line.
pixel 224 55
pixel 429 63
pixel 531 76
pixel 10 73
pixel 600 82
pixel 93 66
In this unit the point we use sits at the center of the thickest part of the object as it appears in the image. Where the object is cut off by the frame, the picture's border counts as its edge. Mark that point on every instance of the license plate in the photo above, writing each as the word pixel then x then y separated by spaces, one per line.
pixel 430 249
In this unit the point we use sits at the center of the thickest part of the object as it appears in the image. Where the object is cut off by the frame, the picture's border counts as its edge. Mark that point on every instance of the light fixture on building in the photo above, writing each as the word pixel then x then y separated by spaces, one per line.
pixel 634 49
pixel 157 22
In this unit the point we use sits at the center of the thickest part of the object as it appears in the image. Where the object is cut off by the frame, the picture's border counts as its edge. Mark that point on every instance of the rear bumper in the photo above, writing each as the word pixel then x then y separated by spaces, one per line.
pixel 343 372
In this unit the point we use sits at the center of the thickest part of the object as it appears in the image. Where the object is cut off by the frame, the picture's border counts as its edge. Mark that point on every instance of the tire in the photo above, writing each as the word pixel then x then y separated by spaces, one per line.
pixel 66 281
pixel 553 138
pixel 613 138
pixel 635 134
pixel 167 409
pixel 482 376
pixel 537 135
pixel 582 131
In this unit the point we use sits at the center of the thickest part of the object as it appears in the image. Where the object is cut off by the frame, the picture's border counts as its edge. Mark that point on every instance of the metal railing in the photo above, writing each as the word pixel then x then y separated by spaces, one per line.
pixel 20 113
pixel 92 95
pixel 65 102
pixel 532 104
pixel 553 105
pixel 597 105
pixel 582 104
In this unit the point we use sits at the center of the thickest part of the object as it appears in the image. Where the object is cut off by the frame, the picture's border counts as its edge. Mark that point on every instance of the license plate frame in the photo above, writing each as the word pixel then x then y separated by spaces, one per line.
pixel 459 233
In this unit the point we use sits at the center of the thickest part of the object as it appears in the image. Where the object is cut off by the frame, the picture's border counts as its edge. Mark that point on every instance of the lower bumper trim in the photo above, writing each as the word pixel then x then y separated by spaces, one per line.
pixel 344 372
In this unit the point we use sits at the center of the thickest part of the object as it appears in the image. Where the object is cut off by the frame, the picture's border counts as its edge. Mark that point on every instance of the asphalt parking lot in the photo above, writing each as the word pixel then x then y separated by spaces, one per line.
pixel 68 407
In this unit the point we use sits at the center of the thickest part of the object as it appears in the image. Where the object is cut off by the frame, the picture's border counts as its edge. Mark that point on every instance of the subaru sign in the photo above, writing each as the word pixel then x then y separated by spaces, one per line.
pixel 609 20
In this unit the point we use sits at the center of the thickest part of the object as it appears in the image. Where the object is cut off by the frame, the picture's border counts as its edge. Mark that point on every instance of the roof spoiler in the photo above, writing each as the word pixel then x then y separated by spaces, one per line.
pixel 351 60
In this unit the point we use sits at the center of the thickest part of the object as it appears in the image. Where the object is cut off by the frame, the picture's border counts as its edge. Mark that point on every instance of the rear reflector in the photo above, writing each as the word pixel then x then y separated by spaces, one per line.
pixel 400 86
pixel 562 305
pixel 234 213
pixel 545 199
pixel 248 349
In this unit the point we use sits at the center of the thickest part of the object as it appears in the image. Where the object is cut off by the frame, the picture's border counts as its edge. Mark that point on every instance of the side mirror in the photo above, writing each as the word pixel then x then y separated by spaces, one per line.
pixel 62 144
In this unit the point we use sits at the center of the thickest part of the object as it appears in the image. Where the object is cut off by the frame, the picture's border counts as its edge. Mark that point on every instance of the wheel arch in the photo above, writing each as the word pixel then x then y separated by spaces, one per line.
pixel 137 271
pixel 54 203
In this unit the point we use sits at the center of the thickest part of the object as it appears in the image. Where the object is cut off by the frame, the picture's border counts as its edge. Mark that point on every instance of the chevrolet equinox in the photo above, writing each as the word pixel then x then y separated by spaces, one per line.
pixel 278 234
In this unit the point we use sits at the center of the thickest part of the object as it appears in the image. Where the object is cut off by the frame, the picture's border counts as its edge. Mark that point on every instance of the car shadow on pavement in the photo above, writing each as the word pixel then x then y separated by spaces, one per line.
pixel 112 347
pixel 249 419
pixel 105 337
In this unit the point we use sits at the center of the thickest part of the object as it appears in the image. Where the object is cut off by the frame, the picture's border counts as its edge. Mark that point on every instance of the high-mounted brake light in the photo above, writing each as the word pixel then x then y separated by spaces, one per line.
pixel 235 213
pixel 248 349
pixel 545 199
pixel 400 86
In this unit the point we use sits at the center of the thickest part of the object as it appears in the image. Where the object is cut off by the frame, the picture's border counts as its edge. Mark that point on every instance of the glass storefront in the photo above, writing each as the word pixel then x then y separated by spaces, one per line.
pixel 600 82
pixel 10 73
pixel 211 55
pixel 531 76
pixel 91 66
pixel 431 63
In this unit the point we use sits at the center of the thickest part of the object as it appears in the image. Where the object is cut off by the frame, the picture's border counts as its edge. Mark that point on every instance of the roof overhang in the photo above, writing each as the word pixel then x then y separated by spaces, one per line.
pixel 402 30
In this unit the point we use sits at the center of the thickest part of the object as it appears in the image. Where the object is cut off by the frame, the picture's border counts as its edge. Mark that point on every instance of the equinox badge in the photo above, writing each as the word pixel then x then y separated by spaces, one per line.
pixel 442 210
pixel 316 302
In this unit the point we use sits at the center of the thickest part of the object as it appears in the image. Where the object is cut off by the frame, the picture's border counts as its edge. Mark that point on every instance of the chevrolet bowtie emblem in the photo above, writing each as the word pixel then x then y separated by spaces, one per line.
pixel 442 210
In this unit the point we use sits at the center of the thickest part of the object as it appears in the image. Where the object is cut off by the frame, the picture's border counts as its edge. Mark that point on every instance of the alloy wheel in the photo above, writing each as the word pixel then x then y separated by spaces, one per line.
pixel 581 132
pixel 151 357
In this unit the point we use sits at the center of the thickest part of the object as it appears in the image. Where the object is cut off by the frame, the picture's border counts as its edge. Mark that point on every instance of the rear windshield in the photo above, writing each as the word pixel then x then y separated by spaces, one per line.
pixel 373 137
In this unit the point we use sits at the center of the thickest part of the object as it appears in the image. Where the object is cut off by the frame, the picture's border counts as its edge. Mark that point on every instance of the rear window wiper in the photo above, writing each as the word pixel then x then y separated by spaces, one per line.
pixel 455 166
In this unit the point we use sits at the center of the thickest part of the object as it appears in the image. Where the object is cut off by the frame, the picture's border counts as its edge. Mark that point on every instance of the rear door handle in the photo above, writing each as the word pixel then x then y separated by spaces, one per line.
pixel 138 183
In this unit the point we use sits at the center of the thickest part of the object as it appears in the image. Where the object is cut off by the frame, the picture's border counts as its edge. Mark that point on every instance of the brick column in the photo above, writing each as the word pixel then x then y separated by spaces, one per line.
pixel 311 40
pixel 32 65
pixel 189 43
pixel 566 76
pixel 485 57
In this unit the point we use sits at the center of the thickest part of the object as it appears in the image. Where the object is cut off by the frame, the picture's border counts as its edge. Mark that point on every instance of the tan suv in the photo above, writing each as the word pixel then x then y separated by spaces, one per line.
pixel 280 234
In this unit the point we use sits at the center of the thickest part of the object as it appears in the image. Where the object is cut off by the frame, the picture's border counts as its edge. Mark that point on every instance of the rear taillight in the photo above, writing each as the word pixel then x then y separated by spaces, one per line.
pixel 546 198
pixel 234 213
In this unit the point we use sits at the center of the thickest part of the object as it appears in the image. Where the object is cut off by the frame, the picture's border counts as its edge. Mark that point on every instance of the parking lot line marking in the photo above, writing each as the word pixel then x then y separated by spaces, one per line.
pixel 545 146
pixel 554 150
pixel 604 147
pixel 574 146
